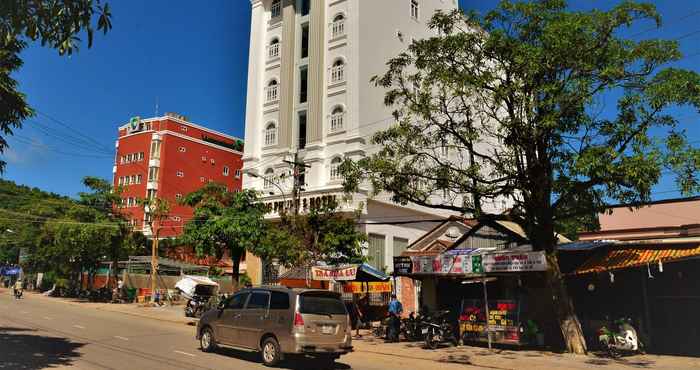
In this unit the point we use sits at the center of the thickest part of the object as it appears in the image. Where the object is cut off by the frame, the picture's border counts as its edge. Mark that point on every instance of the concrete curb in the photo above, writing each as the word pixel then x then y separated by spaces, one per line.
pixel 186 321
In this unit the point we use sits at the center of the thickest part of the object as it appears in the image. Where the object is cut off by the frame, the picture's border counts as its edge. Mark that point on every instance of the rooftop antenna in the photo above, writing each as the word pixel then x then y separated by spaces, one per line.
pixel 156 106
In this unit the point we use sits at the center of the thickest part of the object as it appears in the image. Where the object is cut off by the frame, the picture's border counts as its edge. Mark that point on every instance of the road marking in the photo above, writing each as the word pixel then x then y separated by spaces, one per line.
pixel 122 338
pixel 79 326
pixel 185 353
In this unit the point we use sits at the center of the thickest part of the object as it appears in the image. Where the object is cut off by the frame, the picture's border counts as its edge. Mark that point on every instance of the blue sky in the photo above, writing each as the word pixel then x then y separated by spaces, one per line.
pixel 192 60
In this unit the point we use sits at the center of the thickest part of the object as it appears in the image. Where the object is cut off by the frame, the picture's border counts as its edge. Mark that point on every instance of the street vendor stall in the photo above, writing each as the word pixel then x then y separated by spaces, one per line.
pixel 471 276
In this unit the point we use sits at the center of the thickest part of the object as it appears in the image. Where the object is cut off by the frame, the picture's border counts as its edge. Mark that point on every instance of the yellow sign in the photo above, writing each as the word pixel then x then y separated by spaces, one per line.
pixel 374 287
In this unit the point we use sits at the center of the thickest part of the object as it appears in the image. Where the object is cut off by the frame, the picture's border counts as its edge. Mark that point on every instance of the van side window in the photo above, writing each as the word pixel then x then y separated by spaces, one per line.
pixel 259 300
pixel 279 301
pixel 237 301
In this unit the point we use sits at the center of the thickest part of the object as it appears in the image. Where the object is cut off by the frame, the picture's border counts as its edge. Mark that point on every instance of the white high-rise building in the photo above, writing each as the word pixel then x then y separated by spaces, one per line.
pixel 309 94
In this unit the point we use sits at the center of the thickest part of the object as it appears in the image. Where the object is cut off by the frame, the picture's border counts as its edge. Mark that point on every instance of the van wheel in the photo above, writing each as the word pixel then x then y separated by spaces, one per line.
pixel 271 353
pixel 207 341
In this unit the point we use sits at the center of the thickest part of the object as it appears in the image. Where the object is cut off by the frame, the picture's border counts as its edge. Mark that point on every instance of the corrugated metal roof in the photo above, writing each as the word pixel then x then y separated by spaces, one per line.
pixel 634 257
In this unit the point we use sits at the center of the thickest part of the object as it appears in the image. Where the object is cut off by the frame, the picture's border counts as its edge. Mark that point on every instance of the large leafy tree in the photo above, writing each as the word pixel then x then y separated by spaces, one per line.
pixel 57 24
pixel 224 221
pixel 320 235
pixel 508 106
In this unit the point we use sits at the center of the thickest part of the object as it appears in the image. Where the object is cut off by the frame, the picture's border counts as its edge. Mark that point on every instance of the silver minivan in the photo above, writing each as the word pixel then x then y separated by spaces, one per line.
pixel 276 321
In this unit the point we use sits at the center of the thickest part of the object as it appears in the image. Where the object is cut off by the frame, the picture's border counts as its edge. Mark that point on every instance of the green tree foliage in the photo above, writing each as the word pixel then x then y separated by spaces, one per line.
pixel 235 221
pixel 56 24
pixel 321 235
pixel 23 211
pixel 224 221
pixel 516 97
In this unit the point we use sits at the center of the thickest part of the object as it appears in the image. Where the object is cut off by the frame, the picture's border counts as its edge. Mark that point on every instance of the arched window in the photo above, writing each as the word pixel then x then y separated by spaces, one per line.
pixel 337 119
pixel 335 168
pixel 273 50
pixel 268 178
pixel 271 134
pixel 271 91
pixel 338 26
pixel 338 71
pixel 276 8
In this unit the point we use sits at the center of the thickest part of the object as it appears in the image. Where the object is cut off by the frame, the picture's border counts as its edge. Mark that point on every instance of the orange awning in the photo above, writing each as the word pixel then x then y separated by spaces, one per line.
pixel 634 257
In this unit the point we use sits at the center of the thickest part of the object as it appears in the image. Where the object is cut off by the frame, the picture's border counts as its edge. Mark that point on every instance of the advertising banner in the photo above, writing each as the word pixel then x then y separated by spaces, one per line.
pixel 373 287
pixel 515 262
pixel 334 273
pixel 465 264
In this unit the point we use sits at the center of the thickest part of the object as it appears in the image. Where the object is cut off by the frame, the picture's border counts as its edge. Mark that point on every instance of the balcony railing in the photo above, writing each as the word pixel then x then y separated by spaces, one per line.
pixel 337 121
pixel 338 28
pixel 271 95
pixel 338 74
pixel 273 51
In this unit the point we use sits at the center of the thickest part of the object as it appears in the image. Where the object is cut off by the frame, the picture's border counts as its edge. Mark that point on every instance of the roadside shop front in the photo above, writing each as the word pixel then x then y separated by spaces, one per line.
pixel 492 282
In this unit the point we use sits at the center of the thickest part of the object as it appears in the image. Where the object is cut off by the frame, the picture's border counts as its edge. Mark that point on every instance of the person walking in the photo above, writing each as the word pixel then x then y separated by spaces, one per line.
pixel 18 288
pixel 395 311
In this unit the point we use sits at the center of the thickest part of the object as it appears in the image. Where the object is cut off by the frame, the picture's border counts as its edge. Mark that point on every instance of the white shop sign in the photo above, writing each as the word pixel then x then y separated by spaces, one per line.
pixel 515 262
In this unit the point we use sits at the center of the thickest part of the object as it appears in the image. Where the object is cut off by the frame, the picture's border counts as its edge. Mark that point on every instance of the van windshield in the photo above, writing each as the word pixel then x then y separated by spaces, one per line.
pixel 323 304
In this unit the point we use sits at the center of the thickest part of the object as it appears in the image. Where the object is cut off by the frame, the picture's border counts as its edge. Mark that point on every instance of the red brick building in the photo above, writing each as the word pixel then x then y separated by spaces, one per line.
pixel 169 157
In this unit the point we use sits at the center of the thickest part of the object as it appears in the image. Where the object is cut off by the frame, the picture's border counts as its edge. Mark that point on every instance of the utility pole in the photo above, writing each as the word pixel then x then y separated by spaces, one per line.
pixel 154 261
pixel 298 169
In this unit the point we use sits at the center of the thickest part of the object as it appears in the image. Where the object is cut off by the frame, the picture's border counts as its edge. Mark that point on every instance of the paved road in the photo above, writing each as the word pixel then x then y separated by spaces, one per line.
pixel 37 333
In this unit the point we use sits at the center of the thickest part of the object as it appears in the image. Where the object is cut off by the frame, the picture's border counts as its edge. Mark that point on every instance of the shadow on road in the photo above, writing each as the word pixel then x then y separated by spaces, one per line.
pixel 23 350
pixel 601 359
pixel 292 363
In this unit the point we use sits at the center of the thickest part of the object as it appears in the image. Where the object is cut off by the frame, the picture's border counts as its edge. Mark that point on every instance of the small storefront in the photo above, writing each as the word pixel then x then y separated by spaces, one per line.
pixel 654 285
pixel 485 291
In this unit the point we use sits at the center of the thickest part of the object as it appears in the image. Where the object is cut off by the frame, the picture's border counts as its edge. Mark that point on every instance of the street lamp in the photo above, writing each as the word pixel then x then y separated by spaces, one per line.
pixel 284 197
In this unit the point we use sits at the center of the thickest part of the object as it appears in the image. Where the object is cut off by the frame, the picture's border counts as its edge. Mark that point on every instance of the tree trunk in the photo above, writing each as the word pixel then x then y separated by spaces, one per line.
pixel 236 254
pixel 564 308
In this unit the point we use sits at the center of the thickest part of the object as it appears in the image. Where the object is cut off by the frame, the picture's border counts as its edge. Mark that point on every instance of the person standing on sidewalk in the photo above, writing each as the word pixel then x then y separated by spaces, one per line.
pixel 395 311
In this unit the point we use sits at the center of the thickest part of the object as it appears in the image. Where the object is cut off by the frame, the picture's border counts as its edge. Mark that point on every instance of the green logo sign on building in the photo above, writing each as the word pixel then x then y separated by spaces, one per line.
pixel 477 266
pixel 134 123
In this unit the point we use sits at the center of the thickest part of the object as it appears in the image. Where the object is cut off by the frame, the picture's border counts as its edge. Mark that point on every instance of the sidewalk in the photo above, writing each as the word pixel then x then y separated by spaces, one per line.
pixel 519 359
pixel 174 314
pixel 500 359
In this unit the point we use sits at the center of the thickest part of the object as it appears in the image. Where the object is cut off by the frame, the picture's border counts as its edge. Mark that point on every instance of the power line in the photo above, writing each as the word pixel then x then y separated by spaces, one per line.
pixel 686 16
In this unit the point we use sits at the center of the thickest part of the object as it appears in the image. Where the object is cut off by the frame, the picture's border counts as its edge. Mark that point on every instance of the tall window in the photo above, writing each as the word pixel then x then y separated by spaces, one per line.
pixel 302 130
pixel 415 8
pixel 303 84
pixel 338 26
pixel 153 174
pixel 400 245
pixel 141 156
pixel 155 149
pixel 273 50
pixel 268 178
pixel 151 194
pixel 276 8
pixel 376 250
pixel 338 71
pixel 337 118
pixel 226 170
pixel 271 134
pixel 139 178
pixel 305 7
pixel 305 41
pixel 271 92
pixel 335 168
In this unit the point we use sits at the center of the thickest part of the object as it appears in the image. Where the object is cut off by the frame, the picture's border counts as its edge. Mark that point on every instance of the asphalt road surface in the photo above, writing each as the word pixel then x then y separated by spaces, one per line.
pixel 37 333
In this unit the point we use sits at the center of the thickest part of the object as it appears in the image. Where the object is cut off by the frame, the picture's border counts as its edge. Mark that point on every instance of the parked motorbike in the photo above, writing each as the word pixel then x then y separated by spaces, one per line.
pixel 620 338
pixel 196 306
pixel 18 293
pixel 438 329
pixel 411 327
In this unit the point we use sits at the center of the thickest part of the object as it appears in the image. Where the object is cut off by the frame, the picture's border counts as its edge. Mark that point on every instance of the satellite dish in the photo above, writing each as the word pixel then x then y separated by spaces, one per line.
pixel 453 232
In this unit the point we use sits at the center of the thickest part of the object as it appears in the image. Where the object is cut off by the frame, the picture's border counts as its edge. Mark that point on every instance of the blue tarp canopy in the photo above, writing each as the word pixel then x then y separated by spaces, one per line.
pixel 585 245
pixel 10 271
pixel 368 273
